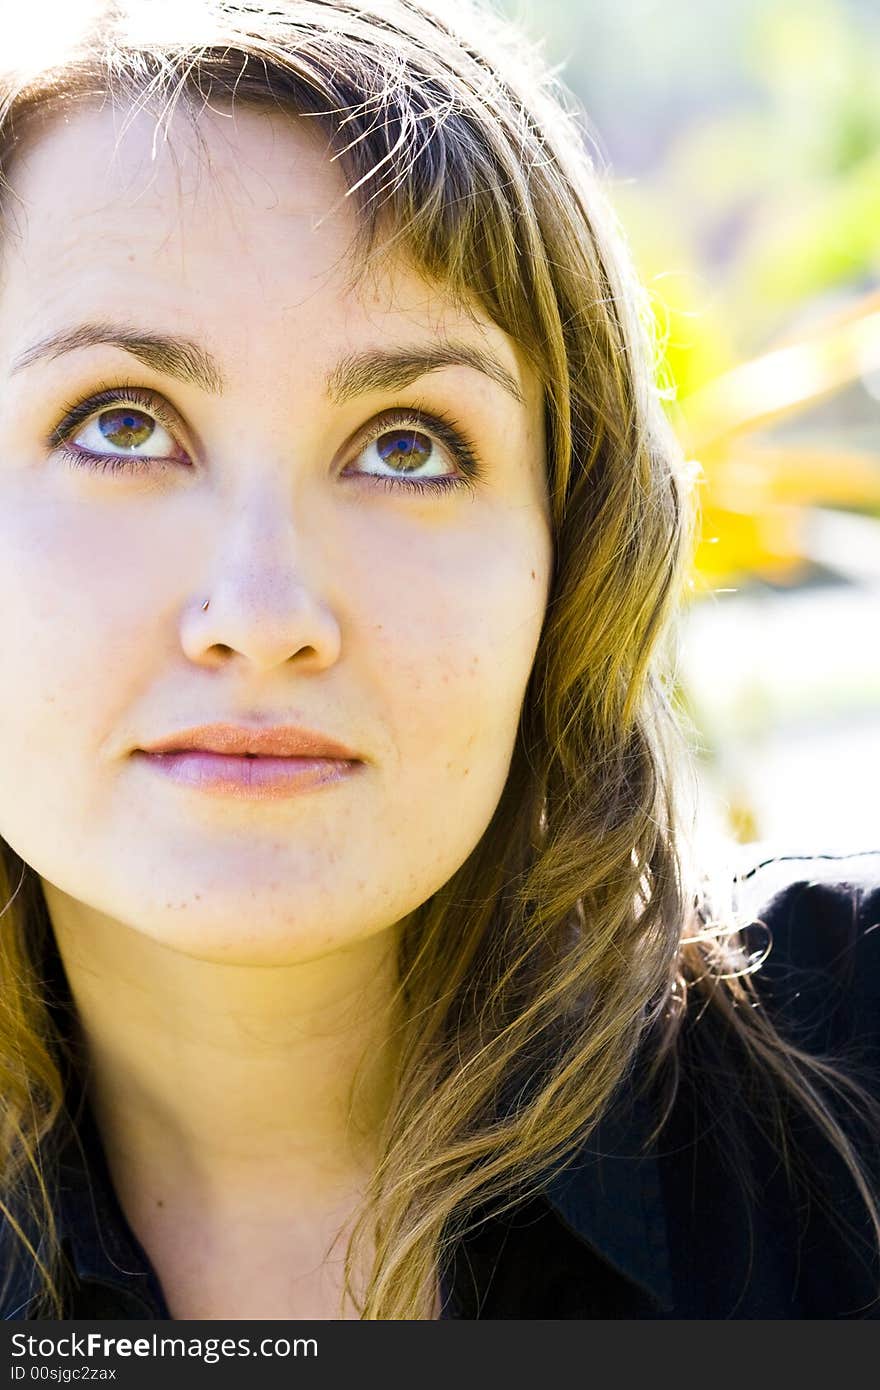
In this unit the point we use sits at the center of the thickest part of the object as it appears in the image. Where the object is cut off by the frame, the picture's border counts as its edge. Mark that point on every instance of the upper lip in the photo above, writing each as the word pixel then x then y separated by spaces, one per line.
pixel 280 741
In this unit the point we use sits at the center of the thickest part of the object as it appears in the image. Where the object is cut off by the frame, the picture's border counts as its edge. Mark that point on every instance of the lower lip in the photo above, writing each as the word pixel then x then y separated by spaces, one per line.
pixel 254 779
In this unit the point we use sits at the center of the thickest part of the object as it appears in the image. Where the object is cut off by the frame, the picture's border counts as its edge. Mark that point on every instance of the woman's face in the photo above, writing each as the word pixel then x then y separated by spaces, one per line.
pixel 403 623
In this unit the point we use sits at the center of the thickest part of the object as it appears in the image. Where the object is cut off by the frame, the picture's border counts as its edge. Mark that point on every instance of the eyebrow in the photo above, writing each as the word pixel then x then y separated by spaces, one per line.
pixel 180 358
pixel 391 369
pixel 374 369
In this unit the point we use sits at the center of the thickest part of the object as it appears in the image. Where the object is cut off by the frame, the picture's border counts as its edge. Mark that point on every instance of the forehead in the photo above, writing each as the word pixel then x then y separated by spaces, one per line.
pixel 241 222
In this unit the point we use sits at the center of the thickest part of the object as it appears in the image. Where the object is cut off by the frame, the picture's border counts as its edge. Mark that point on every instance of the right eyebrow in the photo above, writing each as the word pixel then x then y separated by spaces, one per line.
pixel 374 369
pixel 181 358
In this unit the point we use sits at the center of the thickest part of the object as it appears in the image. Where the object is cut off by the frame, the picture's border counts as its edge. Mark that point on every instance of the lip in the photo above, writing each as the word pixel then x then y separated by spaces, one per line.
pixel 238 740
pixel 258 778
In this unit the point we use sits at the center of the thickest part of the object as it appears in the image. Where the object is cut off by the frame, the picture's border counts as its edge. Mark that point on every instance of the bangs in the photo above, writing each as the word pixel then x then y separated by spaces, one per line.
pixel 431 160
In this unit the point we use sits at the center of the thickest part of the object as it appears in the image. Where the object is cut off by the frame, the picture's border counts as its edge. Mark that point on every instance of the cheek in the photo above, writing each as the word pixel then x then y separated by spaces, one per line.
pixel 65 562
pixel 70 632
pixel 450 649
pixel 461 624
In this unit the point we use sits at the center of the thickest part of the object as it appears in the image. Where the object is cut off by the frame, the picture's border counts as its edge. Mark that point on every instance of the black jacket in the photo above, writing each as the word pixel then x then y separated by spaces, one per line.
pixel 669 1233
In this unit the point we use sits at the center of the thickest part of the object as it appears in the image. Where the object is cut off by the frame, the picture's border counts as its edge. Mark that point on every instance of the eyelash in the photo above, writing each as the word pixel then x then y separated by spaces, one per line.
pixel 437 423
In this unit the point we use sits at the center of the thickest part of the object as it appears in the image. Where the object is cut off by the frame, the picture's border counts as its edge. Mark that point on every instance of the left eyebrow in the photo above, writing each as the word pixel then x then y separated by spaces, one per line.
pixel 374 369
pixel 392 369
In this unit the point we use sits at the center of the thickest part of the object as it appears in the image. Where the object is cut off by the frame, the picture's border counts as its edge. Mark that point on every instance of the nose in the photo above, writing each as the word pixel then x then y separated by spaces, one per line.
pixel 267 603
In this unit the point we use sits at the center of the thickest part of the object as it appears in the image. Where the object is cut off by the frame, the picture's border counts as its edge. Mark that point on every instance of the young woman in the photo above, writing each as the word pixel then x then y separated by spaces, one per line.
pixel 354 960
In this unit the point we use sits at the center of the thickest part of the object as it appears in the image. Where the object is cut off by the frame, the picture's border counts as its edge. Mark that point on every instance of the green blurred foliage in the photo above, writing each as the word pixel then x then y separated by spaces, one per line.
pixel 765 191
pixel 741 143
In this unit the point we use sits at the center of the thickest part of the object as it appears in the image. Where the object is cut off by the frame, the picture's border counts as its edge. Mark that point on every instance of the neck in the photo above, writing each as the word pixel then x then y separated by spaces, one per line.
pixel 226 1081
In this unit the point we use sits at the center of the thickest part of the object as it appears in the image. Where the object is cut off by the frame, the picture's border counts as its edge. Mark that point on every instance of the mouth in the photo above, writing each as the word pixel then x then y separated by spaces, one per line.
pixel 249 776
pixel 256 740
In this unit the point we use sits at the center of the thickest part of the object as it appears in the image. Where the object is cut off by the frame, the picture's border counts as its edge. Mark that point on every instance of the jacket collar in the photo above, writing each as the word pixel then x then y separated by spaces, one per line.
pixel 610 1196
pixel 92 1232
pixel 89 1217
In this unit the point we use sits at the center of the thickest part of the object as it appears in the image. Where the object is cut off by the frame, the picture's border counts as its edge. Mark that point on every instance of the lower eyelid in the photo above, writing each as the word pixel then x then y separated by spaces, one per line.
pixel 144 465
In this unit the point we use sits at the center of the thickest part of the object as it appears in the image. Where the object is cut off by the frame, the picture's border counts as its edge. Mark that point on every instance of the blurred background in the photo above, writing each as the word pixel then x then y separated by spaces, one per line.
pixel 741 144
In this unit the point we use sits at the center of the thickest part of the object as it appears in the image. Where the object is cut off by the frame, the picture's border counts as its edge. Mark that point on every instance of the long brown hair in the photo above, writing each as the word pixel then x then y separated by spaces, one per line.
pixel 571 933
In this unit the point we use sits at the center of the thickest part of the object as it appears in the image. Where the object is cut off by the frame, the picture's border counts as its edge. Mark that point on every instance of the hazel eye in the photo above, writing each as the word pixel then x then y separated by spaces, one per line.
pixel 405 451
pixel 128 429
pixel 125 419
pixel 420 451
